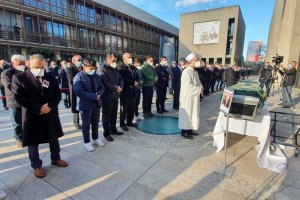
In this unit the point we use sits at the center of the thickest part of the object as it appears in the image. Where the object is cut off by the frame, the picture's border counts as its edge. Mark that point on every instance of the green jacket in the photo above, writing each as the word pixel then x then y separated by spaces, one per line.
pixel 148 74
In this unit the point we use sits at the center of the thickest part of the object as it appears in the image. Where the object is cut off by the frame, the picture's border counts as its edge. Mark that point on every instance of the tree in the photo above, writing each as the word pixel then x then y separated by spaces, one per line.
pixel 45 52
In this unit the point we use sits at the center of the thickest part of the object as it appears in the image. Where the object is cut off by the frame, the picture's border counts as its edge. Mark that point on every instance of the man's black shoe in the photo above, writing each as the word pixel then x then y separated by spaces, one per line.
pixel 160 112
pixel 176 108
pixel 146 115
pixel 193 133
pixel 117 132
pixel 186 135
pixel 124 128
pixel 109 138
pixel 132 125
pixel 164 110
pixel 286 106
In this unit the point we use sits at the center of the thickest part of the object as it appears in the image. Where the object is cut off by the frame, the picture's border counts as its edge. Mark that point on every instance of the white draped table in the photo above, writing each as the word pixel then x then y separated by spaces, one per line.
pixel 259 128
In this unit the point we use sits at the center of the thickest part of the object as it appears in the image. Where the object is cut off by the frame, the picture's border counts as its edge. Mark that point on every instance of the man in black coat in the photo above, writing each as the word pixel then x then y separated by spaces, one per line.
pixel 265 76
pixel 39 95
pixel 162 84
pixel 63 82
pixel 128 95
pixel 2 68
pixel 113 85
pixel 177 71
pixel 75 68
pixel 232 76
pixel 15 110
pixel 289 79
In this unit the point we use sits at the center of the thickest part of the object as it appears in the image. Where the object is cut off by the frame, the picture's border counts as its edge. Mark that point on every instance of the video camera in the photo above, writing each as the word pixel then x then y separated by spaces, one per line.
pixel 277 59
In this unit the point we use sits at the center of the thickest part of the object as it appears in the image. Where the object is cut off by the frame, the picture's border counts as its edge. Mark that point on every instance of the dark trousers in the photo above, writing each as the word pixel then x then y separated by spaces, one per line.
pixel 67 99
pixel 212 85
pixel 73 106
pixel 90 118
pixel 176 97
pixel 3 94
pixel 109 116
pixel 137 101
pixel 127 109
pixel 34 156
pixel 267 84
pixel 147 98
pixel 161 93
pixel 16 121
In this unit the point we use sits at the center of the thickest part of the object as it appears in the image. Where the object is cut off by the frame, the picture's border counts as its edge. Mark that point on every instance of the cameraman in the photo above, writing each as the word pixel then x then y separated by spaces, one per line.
pixel 265 76
pixel 288 81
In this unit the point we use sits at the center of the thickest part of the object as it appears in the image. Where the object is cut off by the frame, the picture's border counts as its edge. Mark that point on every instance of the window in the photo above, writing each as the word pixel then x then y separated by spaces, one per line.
pixel 114 43
pixel 106 19
pixel 211 60
pixel 98 15
pixel 81 12
pixel 125 25
pixel 90 14
pixel 107 43
pixel 219 60
pixel 119 24
pixel 113 21
pixel 203 59
pixel 227 61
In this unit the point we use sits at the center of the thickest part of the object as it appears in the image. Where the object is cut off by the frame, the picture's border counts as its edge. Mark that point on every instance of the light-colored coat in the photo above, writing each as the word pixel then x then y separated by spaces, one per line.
pixel 189 111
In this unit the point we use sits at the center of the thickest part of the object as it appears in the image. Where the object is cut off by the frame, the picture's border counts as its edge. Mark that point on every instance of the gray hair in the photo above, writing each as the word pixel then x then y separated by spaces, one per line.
pixel 18 57
pixel 37 56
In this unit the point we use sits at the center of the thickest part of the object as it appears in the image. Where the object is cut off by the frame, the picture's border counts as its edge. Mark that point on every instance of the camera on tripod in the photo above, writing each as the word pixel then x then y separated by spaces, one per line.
pixel 277 59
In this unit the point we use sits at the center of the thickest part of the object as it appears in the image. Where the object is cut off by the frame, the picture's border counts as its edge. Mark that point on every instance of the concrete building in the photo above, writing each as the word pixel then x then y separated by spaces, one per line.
pixel 86 27
pixel 254 51
pixel 284 35
pixel 217 34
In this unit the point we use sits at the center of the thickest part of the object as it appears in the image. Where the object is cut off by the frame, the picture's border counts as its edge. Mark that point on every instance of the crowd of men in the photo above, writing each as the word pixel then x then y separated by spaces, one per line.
pixel 34 88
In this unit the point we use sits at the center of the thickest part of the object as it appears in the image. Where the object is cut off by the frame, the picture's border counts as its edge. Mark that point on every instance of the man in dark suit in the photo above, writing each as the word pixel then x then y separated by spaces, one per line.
pixel 128 95
pixel 39 95
pixel 162 84
pixel 265 76
pixel 63 82
pixel 176 83
pixel 15 110
pixel 113 85
pixel 232 76
pixel 88 87
pixel 71 73
pixel 2 68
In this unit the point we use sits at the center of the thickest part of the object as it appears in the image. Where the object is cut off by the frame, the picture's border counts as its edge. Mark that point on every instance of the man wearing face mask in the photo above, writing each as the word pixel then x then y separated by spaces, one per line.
pixel 71 73
pixel 113 85
pixel 15 110
pixel 265 75
pixel 54 69
pixel 63 82
pixel 39 95
pixel 190 90
pixel 162 84
pixel 128 96
pixel 88 87
pixel 149 78
pixel 289 78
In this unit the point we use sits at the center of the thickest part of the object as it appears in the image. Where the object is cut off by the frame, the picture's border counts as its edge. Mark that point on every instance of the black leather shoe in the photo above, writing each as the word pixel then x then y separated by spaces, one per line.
pixel 124 128
pixel 164 110
pixel 193 133
pixel 132 125
pixel 160 112
pixel 146 115
pixel 117 132
pixel 186 135
pixel 109 138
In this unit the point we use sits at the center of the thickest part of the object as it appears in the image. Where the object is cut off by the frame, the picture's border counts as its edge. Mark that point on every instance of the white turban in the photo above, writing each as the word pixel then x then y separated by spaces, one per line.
pixel 191 57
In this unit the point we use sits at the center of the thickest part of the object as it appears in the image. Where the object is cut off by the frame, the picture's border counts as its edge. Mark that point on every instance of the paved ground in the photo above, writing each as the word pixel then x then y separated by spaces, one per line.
pixel 141 166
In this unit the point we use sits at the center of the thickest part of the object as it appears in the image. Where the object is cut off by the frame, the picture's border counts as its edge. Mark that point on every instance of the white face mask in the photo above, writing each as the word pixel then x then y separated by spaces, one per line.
pixel 197 64
pixel 38 72
pixel 151 63
pixel 289 66
pixel 130 61
pixel 113 65
pixel 21 68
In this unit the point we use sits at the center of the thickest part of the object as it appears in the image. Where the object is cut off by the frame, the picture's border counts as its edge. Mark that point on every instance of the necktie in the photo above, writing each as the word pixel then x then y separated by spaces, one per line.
pixel 38 80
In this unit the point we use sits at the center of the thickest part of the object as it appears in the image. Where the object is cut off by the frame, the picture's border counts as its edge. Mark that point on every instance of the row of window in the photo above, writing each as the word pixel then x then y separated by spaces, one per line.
pixel 85 12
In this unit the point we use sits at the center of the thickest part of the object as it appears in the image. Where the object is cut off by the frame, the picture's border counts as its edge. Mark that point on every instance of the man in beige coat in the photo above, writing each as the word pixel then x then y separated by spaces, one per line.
pixel 191 88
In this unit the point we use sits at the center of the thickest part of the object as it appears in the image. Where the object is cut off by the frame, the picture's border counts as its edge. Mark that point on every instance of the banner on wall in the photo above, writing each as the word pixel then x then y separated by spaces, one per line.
pixel 206 32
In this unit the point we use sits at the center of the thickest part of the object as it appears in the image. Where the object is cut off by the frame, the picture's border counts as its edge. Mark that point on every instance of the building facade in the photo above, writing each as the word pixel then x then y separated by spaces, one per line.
pixel 254 51
pixel 90 28
pixel 284 35
pixel 217 35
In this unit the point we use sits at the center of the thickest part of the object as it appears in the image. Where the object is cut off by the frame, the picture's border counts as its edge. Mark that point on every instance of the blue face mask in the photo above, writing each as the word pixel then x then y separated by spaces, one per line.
pixel 79 64
pixel 92 72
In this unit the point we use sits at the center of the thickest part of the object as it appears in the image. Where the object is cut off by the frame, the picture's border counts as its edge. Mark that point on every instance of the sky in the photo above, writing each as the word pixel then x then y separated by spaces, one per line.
pixel 257 13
